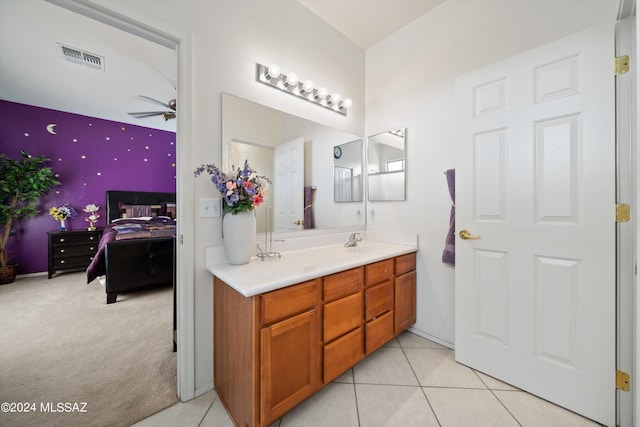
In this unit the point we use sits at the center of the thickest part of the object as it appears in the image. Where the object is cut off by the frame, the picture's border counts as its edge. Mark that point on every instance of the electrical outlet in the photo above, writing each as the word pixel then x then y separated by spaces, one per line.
pixel 210 208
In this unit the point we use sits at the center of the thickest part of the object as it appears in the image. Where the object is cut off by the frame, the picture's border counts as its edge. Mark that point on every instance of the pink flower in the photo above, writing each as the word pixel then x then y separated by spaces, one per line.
pixel 258 199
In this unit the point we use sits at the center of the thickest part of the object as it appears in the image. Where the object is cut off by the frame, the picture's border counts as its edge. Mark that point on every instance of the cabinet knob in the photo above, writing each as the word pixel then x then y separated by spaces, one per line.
pixel 91 248
pixel 61 261
pixel 61 251
pixel 61 240
pixel 91 238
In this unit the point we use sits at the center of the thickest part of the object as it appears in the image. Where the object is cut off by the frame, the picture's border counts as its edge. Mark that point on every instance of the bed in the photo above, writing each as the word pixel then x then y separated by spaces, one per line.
pixel 137 248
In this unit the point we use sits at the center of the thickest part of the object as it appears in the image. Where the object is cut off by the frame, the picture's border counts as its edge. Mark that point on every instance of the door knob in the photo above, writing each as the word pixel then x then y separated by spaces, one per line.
pixel 298 222
pixel 465 235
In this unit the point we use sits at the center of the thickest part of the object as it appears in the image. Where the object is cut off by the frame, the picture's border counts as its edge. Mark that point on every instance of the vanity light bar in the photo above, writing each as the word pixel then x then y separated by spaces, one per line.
pixel 290 83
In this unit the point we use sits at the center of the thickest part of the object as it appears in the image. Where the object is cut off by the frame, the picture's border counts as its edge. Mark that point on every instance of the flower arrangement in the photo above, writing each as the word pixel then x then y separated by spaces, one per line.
pixel 91 209
pixel 242 191
pixel 62 212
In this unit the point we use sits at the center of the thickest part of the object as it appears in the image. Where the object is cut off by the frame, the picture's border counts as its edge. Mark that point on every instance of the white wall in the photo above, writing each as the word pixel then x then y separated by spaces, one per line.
pixel 409 83
pixel 229 37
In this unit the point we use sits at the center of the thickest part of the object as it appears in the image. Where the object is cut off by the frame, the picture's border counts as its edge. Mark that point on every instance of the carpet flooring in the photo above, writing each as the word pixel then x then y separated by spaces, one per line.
pixel 69 359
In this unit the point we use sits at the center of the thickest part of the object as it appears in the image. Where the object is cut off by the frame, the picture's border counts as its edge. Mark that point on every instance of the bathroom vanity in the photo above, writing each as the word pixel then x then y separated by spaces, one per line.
pixel 284 328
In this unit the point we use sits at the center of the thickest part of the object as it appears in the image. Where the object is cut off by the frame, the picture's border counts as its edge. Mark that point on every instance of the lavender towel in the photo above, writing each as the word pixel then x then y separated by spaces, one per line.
pixel 449 253
pixel 309 220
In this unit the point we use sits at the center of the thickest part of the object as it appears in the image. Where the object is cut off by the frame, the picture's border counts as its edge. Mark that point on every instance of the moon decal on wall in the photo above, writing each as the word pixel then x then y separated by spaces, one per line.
pixel 50 128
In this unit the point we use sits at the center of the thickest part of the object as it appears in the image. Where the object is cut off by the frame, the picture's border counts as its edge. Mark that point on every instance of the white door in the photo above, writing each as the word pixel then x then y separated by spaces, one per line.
pixel 288 170
pixel 535 178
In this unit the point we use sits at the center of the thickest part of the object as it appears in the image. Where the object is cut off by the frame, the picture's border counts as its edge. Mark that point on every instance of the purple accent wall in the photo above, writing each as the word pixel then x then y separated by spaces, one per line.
pixel 91 156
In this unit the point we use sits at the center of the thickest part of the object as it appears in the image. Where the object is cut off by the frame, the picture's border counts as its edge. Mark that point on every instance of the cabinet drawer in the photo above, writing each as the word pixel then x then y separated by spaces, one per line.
pixel 378 272
pixel 342 316
pixel 66 251
pixel 405 263
pixel 378 299
pixel 342 354
pixel 74 237
pixel 72 262
pixel 288 301
pixel 379 331
pixel 342 284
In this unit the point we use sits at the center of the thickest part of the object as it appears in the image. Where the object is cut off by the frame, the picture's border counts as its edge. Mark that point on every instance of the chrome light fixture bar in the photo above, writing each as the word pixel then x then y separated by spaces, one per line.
pixel 289 83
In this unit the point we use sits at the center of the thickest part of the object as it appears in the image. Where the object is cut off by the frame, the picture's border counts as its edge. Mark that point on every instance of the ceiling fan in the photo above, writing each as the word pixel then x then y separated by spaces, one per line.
pixel 166 115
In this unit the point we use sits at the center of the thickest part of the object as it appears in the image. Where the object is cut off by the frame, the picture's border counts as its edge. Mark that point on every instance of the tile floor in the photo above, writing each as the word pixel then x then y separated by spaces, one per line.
pixel 409 382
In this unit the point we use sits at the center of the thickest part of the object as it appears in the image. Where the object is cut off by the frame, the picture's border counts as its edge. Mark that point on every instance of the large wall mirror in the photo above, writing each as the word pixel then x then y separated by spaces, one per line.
pixel 386 165
pixel 299 157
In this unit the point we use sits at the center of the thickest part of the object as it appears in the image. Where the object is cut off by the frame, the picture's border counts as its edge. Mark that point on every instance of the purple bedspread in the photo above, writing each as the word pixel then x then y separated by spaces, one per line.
pixel 130 229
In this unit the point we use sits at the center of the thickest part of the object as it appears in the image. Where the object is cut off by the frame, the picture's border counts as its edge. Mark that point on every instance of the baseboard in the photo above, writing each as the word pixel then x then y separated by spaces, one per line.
pixel 432 338
pixel 42 273
pixel 202 390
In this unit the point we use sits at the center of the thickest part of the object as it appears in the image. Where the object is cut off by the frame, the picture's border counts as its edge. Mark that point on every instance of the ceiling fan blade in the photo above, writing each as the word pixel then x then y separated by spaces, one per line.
pixel 147 113
pixel 164 104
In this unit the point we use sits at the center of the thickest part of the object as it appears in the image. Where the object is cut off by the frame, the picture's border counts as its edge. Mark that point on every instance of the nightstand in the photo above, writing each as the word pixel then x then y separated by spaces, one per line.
pixel 72 250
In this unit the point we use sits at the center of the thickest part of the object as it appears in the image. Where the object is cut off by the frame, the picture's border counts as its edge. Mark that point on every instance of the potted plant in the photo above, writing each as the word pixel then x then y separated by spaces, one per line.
pixel 22 183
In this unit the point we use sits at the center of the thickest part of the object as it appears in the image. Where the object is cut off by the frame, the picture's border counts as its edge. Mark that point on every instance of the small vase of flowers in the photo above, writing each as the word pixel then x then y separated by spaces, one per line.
pixel 242 191
pixel 62 214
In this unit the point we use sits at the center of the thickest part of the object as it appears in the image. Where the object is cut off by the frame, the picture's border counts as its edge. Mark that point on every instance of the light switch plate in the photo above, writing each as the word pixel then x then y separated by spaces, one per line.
pixel 209 208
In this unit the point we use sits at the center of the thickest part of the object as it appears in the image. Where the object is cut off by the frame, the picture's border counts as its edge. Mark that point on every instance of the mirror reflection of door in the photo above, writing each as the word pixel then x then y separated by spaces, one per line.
pixel 289 185
pixel 260 158
pixel 347 172
pixel 343 182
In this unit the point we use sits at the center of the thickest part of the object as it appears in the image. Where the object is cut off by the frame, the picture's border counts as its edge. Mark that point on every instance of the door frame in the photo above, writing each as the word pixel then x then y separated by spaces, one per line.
pixel 135 22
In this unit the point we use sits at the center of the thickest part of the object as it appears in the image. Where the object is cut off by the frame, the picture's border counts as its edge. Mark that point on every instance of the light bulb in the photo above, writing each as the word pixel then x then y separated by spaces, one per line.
pixel 274 71
pixel 347 103
pixel 307 86
pixel 292 79
pixel 335 98
pixel 322 93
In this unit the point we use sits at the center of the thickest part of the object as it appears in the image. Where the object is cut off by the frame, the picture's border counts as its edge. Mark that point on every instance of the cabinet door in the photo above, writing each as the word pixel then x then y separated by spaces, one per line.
pixel 290 364
pixel 405 301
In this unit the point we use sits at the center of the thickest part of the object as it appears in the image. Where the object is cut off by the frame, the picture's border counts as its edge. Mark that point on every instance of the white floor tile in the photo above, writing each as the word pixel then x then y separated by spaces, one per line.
pixel 187 414
pixel 217 416
pixel 393 406
pixel 531 411
pixel 334 405
pixel 347 377
pixel 408 339
pixel 387 365
pixel 494 384
pixel 437 368
pixel 456 407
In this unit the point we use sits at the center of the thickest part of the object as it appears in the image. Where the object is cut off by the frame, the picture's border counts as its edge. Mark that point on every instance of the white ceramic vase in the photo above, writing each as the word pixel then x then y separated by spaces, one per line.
pixel 239 233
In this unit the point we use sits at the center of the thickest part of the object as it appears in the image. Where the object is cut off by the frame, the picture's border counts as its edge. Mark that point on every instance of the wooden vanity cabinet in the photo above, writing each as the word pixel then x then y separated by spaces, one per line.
pixel 379 305
pixel 342 324
pixel 405 292
pixel 267 350
pixel 272 351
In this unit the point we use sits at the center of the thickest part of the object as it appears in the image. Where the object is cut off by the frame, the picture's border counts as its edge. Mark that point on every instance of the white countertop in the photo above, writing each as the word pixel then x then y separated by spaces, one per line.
pixel 301 265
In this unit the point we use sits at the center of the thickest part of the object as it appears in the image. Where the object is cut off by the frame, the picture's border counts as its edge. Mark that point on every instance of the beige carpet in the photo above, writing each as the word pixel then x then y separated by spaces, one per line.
pixel 62 348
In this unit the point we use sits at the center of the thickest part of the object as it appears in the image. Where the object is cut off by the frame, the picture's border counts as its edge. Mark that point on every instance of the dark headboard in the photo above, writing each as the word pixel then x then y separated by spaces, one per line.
pixel 115 199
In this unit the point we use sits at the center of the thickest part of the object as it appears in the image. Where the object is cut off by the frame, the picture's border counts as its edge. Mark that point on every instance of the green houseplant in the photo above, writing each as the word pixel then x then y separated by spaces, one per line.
pixel 22 183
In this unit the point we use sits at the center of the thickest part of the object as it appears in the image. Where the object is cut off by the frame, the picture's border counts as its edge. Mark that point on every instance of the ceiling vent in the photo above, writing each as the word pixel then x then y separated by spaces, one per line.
pixel 78 56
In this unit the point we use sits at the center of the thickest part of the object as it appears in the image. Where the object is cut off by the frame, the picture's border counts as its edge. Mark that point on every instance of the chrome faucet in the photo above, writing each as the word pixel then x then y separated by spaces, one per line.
pixel 354 238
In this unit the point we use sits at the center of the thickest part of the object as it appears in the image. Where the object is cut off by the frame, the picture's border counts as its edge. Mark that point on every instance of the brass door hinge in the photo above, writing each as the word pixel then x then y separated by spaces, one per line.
pixel 621 64
pixel 622 381
pixel 623 212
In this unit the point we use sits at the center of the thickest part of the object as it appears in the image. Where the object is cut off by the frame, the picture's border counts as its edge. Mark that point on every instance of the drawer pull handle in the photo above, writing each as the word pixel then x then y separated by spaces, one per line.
pixel 91 238
pixel 61 240
pixel 62 262
pixel 91 248
pixel 61 251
